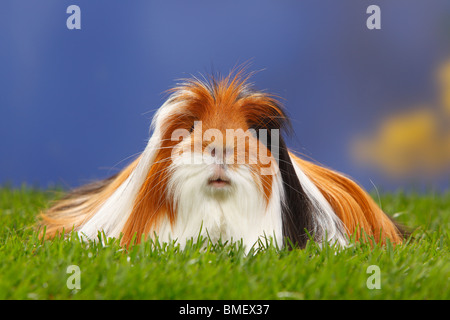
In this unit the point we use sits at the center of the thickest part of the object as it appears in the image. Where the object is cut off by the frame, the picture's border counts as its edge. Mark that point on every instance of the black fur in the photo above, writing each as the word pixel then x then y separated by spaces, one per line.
pixel 297 210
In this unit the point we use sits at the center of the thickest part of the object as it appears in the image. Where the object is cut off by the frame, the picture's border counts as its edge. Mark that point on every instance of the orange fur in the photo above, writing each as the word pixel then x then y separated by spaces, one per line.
pixel 352 204
pixel 79 206
pixel 151 202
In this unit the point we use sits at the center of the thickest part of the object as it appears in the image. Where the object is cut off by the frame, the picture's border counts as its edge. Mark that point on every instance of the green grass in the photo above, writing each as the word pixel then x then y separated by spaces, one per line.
pixel 35 269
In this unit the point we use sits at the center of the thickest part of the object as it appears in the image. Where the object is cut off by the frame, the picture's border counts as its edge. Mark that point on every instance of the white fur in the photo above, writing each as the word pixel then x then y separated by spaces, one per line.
pixel 325 219
pixel 113 214
pixel 236 212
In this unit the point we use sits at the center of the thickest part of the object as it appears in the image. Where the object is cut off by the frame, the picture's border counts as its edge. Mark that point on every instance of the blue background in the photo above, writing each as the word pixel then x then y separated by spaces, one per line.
pixel 75 104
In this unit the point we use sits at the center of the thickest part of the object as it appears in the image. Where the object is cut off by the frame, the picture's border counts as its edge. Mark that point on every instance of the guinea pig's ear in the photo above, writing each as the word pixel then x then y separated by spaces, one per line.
pixel 297 209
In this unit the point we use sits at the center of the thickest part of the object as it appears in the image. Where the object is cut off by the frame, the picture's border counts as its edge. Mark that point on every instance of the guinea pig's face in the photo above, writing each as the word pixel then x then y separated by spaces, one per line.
pixel 221 142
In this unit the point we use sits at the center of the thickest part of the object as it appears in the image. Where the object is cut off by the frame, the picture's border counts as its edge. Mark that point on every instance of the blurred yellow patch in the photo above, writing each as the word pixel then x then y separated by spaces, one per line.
pixel 444 80
pixel 412 144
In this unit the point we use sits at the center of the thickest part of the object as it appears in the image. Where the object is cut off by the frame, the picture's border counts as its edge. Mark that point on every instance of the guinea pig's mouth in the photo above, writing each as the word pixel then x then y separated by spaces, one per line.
pixel 219 182
pixel 219 178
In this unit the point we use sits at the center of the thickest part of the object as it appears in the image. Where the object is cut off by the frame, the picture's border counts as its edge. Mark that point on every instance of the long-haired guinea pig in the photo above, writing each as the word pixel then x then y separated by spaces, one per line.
pixel 216 165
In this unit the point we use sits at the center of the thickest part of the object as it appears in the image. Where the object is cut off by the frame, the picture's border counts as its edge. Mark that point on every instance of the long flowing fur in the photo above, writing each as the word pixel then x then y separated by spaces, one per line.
pixel 171 196
pixel 354 206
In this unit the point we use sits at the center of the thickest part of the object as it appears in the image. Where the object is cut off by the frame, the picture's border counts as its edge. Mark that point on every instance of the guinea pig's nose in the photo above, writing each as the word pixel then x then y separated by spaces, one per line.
pixel 221 153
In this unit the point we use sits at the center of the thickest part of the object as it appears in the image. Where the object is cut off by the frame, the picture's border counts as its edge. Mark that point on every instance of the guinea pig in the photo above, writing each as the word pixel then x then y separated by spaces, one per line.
pixel 217 165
